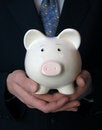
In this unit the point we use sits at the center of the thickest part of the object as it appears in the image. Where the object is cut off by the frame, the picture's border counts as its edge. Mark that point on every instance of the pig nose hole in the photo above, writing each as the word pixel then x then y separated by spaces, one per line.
pixel 58 49
pixel 47 68
pixel 55 68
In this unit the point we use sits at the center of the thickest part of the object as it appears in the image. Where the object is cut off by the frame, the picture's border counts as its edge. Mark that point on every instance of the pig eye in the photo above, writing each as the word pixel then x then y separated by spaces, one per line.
pixel 42 50
pixel 58 49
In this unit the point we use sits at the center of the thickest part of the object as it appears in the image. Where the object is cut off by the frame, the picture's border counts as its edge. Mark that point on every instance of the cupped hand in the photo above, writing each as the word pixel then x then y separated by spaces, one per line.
pixel 83 85
pixel 23 88
pixel 82 89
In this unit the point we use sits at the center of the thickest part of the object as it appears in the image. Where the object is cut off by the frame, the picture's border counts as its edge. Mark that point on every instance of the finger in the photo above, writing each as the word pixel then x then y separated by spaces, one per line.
pixel 50 97
pixel 30 106
pixel 45 97
pixel 83 82
pixel 73 109
pixel 53 106
pixel 29 85
pixel 26 83
pixel 73 105
pixel 86 75
pixel 84 79
pixel 47 107
pixel 27 98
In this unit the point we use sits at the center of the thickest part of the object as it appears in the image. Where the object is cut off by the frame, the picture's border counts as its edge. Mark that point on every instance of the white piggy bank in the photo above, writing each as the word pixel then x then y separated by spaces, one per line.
pixel 54 62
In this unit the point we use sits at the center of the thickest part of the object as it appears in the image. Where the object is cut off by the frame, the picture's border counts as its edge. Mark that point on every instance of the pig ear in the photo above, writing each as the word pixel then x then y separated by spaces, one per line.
pixel 71 35
pixel 31 36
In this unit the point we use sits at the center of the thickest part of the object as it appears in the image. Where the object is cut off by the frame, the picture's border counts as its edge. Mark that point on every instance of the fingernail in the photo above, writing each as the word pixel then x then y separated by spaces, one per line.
pixel 34 87
pixel 75 109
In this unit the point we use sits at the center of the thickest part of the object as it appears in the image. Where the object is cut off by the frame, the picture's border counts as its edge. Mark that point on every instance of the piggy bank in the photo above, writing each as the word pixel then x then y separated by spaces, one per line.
pixel 53 62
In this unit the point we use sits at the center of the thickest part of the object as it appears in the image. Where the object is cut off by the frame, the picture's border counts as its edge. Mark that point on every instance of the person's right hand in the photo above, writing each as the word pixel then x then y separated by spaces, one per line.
pixel 19 85
pixel 23 88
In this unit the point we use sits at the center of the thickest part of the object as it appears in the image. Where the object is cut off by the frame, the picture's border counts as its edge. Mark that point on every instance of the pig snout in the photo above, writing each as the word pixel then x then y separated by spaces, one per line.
pixel 51 68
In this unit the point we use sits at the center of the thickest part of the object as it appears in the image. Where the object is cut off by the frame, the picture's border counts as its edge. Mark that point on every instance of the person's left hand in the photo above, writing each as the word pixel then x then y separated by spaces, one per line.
pixel 83 82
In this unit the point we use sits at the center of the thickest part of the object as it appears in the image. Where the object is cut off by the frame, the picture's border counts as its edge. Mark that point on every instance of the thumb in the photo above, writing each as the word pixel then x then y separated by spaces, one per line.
pixel 83 82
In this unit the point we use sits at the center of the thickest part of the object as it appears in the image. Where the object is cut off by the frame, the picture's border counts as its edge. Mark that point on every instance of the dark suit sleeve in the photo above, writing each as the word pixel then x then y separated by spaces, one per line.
pixel 3 110
pixel 10 106
pixel 91 50
pixel 11 58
